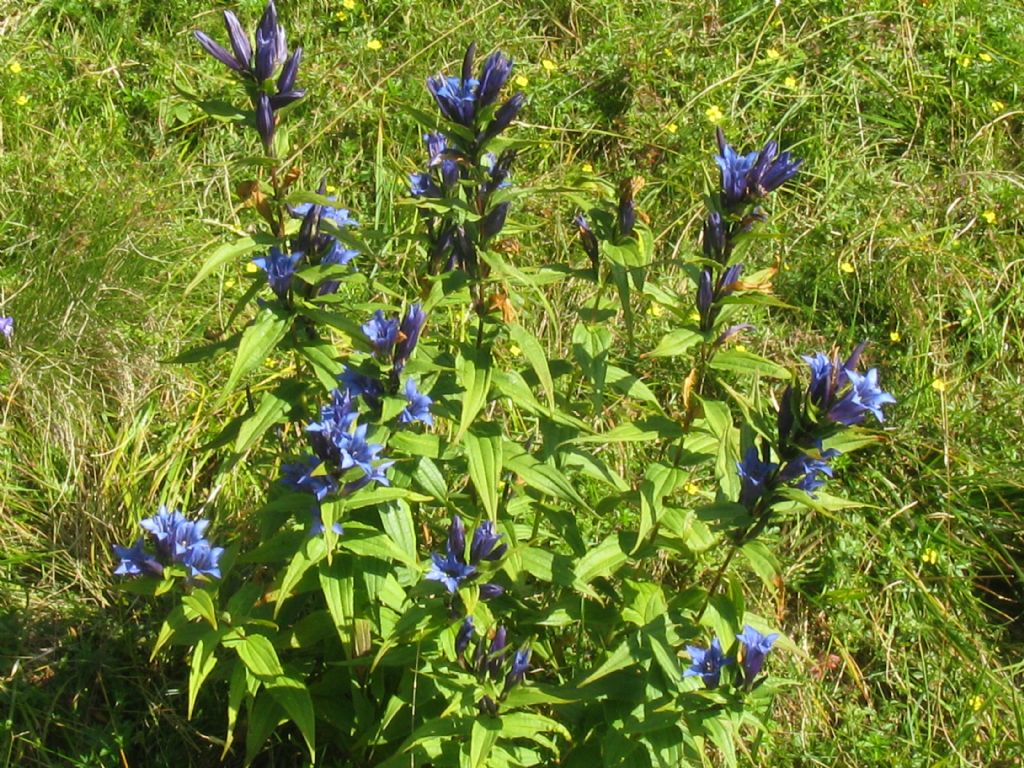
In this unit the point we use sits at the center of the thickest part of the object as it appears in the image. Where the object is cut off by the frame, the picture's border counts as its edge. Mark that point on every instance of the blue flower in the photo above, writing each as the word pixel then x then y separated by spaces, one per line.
pixel 358 384
pixel 423 185
pixel 520 666
pixel 338 217
pixel 464 635
pixel 336 419
pixel 707 663
pixel 382 332
pixel 450 571
pixel 172 531
pixel 807 472
pixel 588 240
pixel 716 243
pixel 201 559
pixel 755 476
pixel 486 544
pixel 496 70
pixel 755 648
pixel 418 408
pixel 135 560
pixel 7 327
pixel 455 97
pixel 747 178
pixel 863 397
pixel 309 476
pixel 280 269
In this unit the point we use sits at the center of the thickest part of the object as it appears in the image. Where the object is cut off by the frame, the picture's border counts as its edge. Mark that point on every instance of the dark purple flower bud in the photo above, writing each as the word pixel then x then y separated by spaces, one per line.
pixel 496 655
pixel 271 45
pixel 467 64
pixel 520 666
pixel 731 331
pixel 503 117
pixel 219 53
pixel 787 415
pixel 727 282
pixel 456 546
pixel 423 185
pixel 492 223
pixel 286 82
pixel 807 472
pixel 449 174
pixel 239 40
pixel 588 240
pixel 497 67
pixel 280 100
pixel 486 543
pixel 756 477
pixel 489 590
pixel 715 243
pixel 409 335
pixel 705 297
pixel 465 634
pixel 627 216
pixel 265 121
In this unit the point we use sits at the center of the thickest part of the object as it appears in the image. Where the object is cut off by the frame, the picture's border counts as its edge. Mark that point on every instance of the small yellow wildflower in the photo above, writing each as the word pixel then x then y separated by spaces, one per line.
pixel 695 316
pixel 330 189
pixel 348 5
pixel 521 80
pixel 985 57
pixel 340 15
pixel 229 284
pixel 692 488
pixel 656 310
pixel 668 52
pixel 514 350
pixel 714 114
pixel 772 55
pixel 930 556
pixel 966 61
pixel 939 385
pixel 14 67
pixel 847 267
pixel 549 65
pixel 968 312
pixel 587 168
pixel 894 336
pixel 977 702
pixel 740 348
pixel 375 45
pixel 790 82
pixel 826 19
pixel 250 267
pixel 671 127
pixel 22 100
pixel 989 216
pixel 997 105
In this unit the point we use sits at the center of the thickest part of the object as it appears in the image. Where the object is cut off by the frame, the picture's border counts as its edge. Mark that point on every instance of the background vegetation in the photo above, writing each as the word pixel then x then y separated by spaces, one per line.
pixel 904 228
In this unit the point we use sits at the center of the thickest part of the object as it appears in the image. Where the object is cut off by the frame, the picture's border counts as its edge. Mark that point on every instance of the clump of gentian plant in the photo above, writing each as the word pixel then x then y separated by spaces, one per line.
pixel 366 620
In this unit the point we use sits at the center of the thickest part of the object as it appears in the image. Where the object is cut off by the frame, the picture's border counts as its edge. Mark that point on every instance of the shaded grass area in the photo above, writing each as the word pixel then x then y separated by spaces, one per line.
pixel 904 229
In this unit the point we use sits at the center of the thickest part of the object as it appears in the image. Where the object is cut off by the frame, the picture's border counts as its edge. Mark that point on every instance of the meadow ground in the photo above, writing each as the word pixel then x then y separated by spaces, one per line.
pixel 904 228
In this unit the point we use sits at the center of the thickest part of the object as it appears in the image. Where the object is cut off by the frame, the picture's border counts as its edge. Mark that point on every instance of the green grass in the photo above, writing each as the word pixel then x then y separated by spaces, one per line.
pixel 908 612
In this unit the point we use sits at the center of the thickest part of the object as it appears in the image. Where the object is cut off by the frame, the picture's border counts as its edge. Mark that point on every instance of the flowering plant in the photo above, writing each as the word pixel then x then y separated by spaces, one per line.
pixel 365 615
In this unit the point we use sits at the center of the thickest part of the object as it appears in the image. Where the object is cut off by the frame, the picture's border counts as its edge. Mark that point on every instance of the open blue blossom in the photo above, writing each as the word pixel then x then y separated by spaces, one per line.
pixel 338 217
pixel 423 185
pixel 309 476
pixel 382 332
pixel 418 408
pixel 463 99
pixel 280 269
pixel 845 396
pixel 135 560
pixel 450 571
pixel 358 384
pixel 807 472
pixel 707 663
pixel 202 559
pixel 755 477
pixel 7 327
pixel 755 648
pixel 455 97
pixel 453 569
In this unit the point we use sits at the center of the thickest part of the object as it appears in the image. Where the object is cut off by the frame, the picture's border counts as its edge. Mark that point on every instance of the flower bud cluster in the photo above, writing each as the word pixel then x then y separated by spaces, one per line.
pixel 458 163
pixel 490 661
pixel 454 568
pixel 257 65
pixel 178 541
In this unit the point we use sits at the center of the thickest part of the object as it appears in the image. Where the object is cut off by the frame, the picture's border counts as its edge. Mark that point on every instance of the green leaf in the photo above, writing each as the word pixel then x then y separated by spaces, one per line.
pixel 631 386
pixel 236 692
pixel 258 339
pixel 258 654
pixel 293 697
pixel 175 622
pixel 320 356
pixel 200 603
pixel 473 370
pixel 483 737
pixel 226 253
pixel 748 364
pixel 265 714
pixel 530 725
pixel 659 481
pixel 762 562
pixel 313 550
pixel 620 658
pixel 485 461
pixel 203 663
pixel 677 342
pixel 646 430
pixel 396 517
pixel 540 475
pixel 338 584
pixel 604 560
pixel 430 479
pixel 536 357
pixel 274 407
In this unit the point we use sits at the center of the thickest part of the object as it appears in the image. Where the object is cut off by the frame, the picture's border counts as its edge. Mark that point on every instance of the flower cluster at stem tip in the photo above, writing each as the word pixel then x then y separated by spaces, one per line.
pixel 454 568
pixel 707 663
pixel 178 540
pixel 489 659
